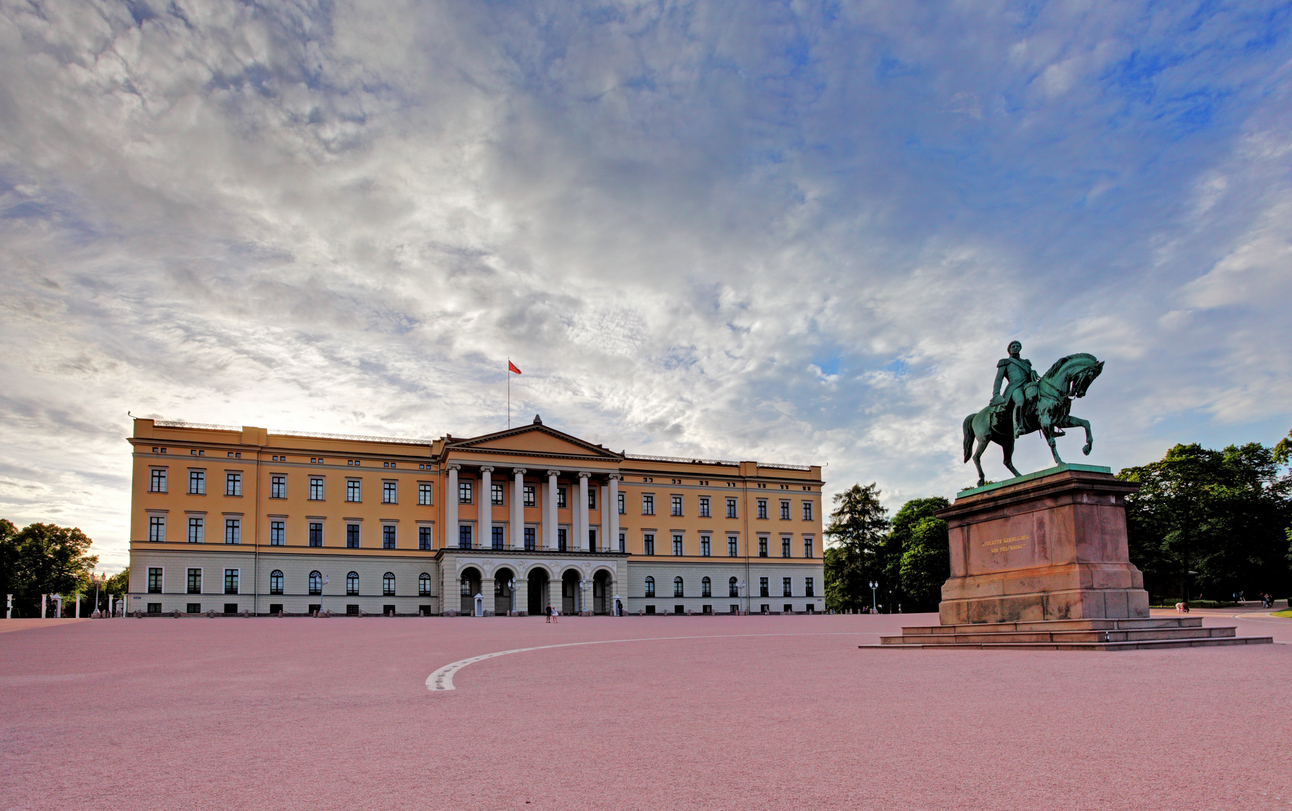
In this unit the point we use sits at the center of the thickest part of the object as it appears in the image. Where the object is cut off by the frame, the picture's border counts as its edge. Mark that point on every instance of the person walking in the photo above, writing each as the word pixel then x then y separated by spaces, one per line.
pixel 549 613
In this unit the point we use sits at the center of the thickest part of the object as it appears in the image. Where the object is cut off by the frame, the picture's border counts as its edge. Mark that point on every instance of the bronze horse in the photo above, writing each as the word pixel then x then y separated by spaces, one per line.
pixel 1046 410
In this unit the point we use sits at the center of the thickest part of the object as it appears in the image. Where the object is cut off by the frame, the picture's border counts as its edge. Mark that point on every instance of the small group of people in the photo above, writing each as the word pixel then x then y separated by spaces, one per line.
pixel 552 614
pixel 1267 600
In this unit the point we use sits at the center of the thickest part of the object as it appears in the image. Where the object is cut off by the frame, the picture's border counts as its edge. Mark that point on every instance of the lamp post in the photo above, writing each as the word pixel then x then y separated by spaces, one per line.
pixel 874 601
pixel 742 596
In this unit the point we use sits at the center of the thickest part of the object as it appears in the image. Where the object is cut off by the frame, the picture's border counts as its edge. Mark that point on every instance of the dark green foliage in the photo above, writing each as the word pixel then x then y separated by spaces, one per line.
pixel 856 528
pixel 43 559
pixel 926 565
pixel 1224 514
pixel 896 587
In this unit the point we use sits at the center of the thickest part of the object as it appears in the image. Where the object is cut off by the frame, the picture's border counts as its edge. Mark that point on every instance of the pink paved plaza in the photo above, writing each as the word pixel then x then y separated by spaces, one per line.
pixel 666 712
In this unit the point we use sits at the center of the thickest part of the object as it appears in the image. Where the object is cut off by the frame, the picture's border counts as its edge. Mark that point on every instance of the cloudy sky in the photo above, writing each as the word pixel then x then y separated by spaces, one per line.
pixel 793 232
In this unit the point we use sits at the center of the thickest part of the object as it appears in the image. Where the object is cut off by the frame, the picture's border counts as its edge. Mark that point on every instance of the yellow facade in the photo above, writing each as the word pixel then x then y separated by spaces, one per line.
pixel 243 506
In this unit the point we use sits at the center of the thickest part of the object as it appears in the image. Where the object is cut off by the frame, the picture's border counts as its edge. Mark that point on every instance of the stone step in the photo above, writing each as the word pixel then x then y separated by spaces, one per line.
pixel 1144 644
pixel 1058 625
pixel 1038 637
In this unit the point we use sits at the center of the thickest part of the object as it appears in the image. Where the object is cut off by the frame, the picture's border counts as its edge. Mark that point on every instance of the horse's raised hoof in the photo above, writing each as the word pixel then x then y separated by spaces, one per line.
pixel 1086 449
pixel 1057 432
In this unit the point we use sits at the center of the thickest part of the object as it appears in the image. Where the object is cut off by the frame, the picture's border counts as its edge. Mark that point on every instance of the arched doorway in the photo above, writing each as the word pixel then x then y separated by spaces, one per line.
pixel 537 587
pixel 601 592
pixel 469 588
pixel 503 585
pixel 570 592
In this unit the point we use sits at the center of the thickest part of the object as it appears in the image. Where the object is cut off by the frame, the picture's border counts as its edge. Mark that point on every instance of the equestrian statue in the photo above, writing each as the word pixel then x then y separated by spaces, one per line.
pixel 1030 403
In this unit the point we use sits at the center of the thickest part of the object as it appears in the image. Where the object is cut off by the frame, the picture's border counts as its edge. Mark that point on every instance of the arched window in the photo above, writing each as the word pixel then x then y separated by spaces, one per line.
pixel 352 583
pixel 650 587
pixel 316 582
pixel 388 584
pixel 733 588
pixel 424 585
pixel 677 587
pixel 276 581
pixel 706 587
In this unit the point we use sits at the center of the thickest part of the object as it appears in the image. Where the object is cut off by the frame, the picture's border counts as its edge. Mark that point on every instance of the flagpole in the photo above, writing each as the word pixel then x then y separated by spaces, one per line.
pixel 508 373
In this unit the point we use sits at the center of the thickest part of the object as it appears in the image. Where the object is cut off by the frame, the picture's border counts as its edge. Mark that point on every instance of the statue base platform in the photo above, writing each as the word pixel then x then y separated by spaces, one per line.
pixel 1042 561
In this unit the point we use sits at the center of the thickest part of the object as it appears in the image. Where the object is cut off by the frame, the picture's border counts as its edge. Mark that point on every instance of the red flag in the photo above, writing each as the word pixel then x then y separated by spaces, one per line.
pixel 511 367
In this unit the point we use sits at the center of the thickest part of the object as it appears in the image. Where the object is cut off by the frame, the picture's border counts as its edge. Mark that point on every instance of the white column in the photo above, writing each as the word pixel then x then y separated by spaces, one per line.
pixel 521 588
pixel 582 511
pixel 518 511
pixel 486 591
pixel 549 516
pixel 612 507
pixel 451 510
pixel 485 513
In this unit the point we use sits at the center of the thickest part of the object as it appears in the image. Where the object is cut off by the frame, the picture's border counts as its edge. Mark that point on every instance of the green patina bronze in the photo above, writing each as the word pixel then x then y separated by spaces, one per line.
pixel 1030 403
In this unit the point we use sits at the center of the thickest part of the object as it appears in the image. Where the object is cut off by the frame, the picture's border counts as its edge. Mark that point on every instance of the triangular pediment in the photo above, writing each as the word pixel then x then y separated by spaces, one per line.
pixel 532 440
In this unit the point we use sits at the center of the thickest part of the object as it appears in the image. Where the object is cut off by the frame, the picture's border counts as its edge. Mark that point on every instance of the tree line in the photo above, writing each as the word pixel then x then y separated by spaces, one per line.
pixel 49 559
pixel 1205 524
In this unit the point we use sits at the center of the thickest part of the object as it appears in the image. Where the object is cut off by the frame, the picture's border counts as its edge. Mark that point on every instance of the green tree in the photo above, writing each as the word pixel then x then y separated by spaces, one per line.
pixel 898 540
pixel 119 583
pixel 1222 514
pixel 857 529
pixel 43 559
pixel 1283 450
pixel 926 564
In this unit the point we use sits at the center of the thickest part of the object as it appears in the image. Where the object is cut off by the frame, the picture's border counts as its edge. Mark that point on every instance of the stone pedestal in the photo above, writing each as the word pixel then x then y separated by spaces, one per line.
pixel 1048 546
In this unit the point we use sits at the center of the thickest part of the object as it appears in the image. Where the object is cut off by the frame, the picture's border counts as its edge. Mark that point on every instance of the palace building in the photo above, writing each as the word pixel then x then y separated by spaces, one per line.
pixel 231 520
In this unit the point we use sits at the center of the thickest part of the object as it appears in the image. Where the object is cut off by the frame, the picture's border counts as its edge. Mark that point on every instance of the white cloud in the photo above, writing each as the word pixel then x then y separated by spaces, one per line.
pixel 760 233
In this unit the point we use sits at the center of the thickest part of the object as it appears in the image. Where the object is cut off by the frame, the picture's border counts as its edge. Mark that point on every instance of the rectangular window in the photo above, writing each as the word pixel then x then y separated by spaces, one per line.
pixel 733 588
pixel 807 547
pixel 675 503
pixel 648 504
pixel 157 528
pixel 464 492
pixel 762 547
pixel 157 480
pixel 464 536
pixel 316 533
pixel 233 484
pixel 623 505
pixel 677 545
pixel 762 508
pixel 648 544
pixel 785 546
pixel 423 537
pixel 424 493
pixel 560 539
pixel 197 482
pixel 499 539
pixel 530 538
pixel 807 511
pixel 763 587
pixel 154 580
pixel 278 487
pixel 623 542
pixel 196 530
pixel 785 510
pixel 352 536
pixel 353 490
pixel 592 498
pixel 495 497
pixel 650 591
pixel 679 590
pixel 194 581
pixel 592 539
pixel 787 588
pixel 389 493
pixel 277 533
pixel 388 536
pixel 560 498
pixel 230 581
pixel 705 548
pixel 233 530
pixel 809 587
pixel 732 546
pixel 704 506
pixel 731 508
pixel 316 488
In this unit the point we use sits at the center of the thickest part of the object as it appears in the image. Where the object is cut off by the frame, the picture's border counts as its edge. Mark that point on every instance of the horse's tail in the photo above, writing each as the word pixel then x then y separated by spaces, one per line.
pixel 969 436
